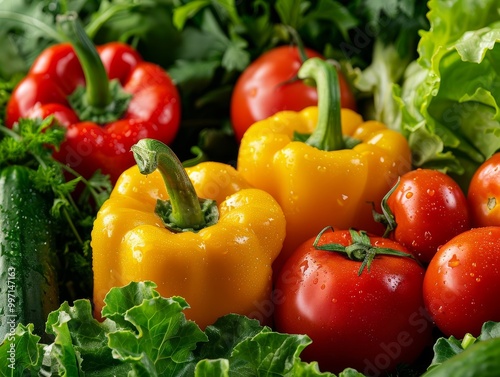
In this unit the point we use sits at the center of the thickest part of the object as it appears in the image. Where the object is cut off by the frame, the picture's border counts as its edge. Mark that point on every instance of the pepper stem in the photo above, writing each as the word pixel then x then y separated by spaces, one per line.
pixel 95 75
pixel 327 135
pixel 184 211
pixel 101 100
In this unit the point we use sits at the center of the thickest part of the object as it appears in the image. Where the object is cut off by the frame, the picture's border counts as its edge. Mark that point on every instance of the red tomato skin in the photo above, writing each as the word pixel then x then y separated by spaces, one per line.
pixel 483 194
pixel 430 208
pixel 267 86
pixel 462 281
pixel 369 322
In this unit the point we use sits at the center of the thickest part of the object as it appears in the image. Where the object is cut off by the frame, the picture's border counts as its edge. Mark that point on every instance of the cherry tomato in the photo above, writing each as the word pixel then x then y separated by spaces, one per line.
pixel 484 193
pixel 461 282
pixel 268 85
pixel 369 322
pixel 429 208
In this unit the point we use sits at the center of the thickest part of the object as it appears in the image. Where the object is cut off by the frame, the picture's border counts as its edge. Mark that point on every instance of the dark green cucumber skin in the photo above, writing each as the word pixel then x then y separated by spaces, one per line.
pixel 28 284
pixel 481 359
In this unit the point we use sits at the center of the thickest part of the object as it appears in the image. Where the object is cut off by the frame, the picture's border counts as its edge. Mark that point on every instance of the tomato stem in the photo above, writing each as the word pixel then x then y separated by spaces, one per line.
pixel 386 218
pixel 360 249
pixel 298 42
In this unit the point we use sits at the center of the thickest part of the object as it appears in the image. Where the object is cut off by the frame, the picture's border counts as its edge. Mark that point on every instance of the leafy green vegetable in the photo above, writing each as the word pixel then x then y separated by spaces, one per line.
pixel 27 27
pixel 450 110
pixel 469 356
pixel 378 80
pixel 21 352
pixel 30 143
pixel 162 341
pixel 6 87
pixel 446 348
pixel 397 22
pixel 393 25
pixel 144 334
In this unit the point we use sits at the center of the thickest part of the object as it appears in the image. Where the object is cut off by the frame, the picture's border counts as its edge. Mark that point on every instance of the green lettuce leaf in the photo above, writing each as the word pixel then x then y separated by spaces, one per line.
pixel 163 342
pixel 20 353
pixel 225 334
pixel 80 344
pixel 378 79
pixel 119 300
pixel 144 334
pixel 448 100
pixel 447 348
pixel 216 367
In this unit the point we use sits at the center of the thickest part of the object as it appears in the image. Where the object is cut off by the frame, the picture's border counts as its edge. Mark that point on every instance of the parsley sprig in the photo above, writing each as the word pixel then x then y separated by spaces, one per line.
pixel 31 143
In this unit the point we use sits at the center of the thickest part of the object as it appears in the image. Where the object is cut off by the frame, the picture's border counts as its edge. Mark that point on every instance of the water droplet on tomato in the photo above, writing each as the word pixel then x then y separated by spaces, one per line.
pixel 408 195
pixel 431 192
pixel 304 266
pixel 454 261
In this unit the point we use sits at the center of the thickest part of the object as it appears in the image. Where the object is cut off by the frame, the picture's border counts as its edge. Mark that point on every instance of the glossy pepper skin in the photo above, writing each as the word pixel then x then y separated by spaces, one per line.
pixel 219 269
pixel 322 182
pixel 150 104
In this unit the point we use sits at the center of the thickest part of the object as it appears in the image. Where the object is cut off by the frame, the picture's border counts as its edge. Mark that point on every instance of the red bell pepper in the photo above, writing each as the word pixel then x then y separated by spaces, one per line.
pixel 107 97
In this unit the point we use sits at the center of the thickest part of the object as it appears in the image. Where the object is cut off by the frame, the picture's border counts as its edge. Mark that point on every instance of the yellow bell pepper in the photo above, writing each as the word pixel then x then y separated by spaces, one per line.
pixel 215 252
pixel 306 160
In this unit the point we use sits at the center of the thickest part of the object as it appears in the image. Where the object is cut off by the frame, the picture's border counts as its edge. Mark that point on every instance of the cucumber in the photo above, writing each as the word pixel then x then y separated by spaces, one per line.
pixel 28 284
pixel 481 359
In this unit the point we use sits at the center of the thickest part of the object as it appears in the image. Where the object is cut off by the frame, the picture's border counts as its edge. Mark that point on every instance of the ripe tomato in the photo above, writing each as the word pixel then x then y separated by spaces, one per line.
pixel 429 208
pixel 369 322
pixel 461 282
pixel 484 193
pixel 267 86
